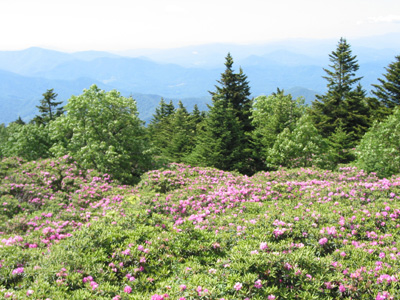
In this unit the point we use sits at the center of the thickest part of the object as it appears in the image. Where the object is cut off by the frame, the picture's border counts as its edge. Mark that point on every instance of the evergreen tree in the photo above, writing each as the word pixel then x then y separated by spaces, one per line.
pixel 160 129
pixel 221 143
pixel 329 110
pixel 48 108
pixel 337 152
pixel 388 91
pixel 196 116
pixel 357 119
pixel 180 143
pixel 225 139
pixel 19 121
pixel 235 89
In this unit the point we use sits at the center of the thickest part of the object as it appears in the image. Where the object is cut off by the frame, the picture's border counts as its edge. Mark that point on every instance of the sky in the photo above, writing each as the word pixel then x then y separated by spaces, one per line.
pixel 118 25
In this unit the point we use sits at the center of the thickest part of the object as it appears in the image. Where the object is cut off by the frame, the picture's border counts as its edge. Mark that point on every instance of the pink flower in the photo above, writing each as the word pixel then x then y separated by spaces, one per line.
pixel 94 285
pixel 342 289
pixel 258 284
pixel 182 287
pixel 382 296
pixel 237 286
pixel 29 292
pixel 128 289
pixel 263 246
pixel 271 297
pixel 18 271
pixel 323 241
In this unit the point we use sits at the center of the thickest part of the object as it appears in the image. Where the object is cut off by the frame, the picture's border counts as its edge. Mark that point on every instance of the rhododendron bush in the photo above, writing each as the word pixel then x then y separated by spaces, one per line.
pixel 197 233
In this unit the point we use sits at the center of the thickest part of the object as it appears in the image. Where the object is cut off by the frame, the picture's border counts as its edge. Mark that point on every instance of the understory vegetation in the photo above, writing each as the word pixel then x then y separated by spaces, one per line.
pixel 197 233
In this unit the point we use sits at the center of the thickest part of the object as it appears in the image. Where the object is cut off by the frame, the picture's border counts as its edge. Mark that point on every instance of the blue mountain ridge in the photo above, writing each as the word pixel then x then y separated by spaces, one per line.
pixel 26 74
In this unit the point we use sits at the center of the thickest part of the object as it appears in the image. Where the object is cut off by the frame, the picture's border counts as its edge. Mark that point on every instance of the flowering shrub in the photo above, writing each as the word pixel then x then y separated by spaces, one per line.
pixel 197 233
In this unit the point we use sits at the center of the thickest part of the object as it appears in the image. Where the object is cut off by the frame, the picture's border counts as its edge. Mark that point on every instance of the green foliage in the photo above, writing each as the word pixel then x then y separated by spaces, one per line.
pixel 19 121
pixel 379 149
pixel 48 109
pixel 338 150
pixel 102 130
pixel 301 147
pixel 271 115
pixel 342 104
pixel 27 141
pixel 224 140
pixel 388 91
pixel 235 89
pixel 197 234
pixel 221 143
pixel 173 131
pixel 3 138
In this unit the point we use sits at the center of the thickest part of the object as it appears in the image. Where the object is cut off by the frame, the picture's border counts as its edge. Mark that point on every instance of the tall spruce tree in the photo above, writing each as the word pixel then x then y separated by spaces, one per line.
pixel 388 91
pixel 224 142
pixel 221 143
pixel 329 110
pixel 235 89
pixel 160 129
pixel 180 142
pixel 48 109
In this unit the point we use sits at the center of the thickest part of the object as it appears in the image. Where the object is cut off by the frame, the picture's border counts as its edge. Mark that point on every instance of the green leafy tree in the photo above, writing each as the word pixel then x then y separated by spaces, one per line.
pixel 329 110
pixel 302 147
pixel 270 116
pixel 379 149
pixel 388 91
pixel 26 141
pixel 48 109
pixel 102 130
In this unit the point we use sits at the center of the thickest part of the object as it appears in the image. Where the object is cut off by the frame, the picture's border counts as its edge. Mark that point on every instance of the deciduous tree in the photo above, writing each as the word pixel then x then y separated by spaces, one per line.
pixel 102 130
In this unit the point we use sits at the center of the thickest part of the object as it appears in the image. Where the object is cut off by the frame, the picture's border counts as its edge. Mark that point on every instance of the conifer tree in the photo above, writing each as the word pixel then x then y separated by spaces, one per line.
pixel 48 108
pixel 221 143
pixel 357 119
pixel 235 89
pixel 388 91
pixel 160 129
pixel 224 142
pixel 19 121
pixel 329 110
pixel 180 143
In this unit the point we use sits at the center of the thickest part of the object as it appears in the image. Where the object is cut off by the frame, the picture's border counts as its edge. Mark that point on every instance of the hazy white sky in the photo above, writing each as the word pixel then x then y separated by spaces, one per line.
pixel 74 25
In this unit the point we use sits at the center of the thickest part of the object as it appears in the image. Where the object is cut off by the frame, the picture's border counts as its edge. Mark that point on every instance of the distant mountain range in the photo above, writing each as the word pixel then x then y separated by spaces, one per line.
pixel 185 74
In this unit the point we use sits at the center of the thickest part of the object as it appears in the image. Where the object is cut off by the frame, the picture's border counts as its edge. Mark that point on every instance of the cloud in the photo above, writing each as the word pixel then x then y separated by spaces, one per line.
pixel 381 19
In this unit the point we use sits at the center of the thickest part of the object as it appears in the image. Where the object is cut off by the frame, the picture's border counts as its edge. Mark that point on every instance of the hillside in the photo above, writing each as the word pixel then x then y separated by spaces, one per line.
pixel 195 233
